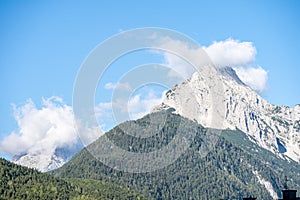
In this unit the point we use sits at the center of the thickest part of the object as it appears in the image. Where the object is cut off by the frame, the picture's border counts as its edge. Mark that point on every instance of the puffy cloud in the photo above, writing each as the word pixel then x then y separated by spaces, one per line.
pixel 42 131
pixel 241 57
pixel 229 53
pixel 256 78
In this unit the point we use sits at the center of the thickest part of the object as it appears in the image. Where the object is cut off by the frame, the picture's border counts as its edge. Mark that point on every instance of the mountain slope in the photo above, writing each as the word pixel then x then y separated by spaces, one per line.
pixel 46 162
pixel 275 128
pixel 19 182
pixel 217 164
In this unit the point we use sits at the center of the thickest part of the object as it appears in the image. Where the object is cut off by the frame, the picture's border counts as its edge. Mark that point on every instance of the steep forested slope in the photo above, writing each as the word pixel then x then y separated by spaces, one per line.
pixel 19 182
pixel 218 164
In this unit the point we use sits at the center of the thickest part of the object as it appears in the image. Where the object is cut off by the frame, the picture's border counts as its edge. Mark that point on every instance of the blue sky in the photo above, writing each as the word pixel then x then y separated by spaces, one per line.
pixel 43 43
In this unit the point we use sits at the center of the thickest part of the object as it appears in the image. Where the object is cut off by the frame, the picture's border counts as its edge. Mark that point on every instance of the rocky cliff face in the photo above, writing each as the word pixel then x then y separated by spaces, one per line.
pixel 234 105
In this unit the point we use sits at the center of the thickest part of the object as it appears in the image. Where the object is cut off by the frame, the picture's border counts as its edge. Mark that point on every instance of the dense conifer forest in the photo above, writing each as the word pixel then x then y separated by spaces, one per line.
pixel 218 164
pixel 19 182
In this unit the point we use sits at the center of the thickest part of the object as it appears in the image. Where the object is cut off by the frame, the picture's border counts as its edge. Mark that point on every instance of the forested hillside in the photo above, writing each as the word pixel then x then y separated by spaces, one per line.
pixel 231 167
pixel 19 182
pixel 218 164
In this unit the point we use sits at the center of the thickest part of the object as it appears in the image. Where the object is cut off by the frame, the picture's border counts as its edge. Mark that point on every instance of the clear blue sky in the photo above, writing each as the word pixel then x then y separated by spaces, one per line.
pixel 43 43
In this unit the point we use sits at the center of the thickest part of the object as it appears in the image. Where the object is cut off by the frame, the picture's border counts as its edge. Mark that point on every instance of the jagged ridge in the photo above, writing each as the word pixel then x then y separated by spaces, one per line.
pixel 275 128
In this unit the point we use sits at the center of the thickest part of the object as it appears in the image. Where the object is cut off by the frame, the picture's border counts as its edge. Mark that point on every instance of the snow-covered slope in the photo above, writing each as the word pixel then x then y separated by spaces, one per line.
pixel 46 162
pixel 233 105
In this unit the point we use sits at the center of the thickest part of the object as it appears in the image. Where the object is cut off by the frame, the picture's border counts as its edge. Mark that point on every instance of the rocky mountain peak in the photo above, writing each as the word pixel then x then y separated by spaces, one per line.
pixel 230 73
pixel 275 128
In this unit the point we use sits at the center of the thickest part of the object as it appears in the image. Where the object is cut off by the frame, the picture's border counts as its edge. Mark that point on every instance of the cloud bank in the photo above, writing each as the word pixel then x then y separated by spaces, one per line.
pixel 43 130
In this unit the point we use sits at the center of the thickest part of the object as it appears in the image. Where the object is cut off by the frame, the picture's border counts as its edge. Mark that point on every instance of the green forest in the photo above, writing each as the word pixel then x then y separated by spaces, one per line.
pixel 217 165
pixel 19 182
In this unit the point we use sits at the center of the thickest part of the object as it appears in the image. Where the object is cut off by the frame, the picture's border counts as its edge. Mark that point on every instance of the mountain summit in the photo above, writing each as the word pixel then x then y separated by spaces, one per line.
pixel 275 128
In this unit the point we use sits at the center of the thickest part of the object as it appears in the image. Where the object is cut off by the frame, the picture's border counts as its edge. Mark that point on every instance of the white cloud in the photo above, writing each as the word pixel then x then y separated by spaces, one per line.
pixel 42 131
pixel 139 107
pixel 241 57
pixel 195 58
pixel 136 107
pixel 121 86
pixel 229 53
pixel 256 78
pixel 180 68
